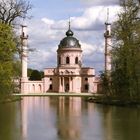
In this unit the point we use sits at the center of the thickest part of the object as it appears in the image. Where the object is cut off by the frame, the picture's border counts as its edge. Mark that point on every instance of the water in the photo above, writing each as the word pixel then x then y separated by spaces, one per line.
pixel 49 118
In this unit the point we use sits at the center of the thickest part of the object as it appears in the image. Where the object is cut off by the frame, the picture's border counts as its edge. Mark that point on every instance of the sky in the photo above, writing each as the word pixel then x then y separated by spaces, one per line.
pixel 49 23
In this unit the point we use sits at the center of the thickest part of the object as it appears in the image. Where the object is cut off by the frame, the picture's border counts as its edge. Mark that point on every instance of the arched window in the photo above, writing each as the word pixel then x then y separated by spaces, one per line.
pixel 76 60
pixel 86 79
pixel 67 60
pixel 86 87
pixel 59 60
pixel 33 88
pixel 39 88
pixel 51 87
pixel 107 32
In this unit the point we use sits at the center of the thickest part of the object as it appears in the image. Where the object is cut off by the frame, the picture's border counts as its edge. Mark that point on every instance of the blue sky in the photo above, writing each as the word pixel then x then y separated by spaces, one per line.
pixel 50 22
pixel 57 9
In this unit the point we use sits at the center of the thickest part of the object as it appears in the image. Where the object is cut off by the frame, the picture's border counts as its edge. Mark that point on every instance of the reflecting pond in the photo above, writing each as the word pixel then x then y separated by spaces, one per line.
pixel 63 118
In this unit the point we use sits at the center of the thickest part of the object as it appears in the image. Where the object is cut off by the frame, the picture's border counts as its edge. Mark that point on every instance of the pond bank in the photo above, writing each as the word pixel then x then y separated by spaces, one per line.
pixel 55 94
pixel 105 100
pixel 8 99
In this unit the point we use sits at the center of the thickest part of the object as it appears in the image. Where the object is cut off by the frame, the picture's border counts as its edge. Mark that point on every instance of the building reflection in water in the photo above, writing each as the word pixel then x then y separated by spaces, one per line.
pixel 66 122
pixel 53 118
pixel 33 109
pixel 69 118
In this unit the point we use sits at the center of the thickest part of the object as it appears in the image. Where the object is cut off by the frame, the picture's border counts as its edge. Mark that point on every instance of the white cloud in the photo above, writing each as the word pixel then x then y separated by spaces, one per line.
pixel 48 21
pixel 94 16
pixel 41 58
pixel 101 2
pixel 91 18
pixel 45 35
pixel 88 49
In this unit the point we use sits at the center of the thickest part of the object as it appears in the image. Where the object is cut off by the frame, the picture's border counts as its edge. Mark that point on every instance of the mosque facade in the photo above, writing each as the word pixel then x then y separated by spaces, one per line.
pixel 69 76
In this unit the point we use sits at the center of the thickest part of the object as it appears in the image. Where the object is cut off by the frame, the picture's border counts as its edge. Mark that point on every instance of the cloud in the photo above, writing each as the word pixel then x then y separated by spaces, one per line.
pixel 101 2
pixel 40 59
pixel 93 18
pixel 48 21
pixel 89 49
pixel 45 35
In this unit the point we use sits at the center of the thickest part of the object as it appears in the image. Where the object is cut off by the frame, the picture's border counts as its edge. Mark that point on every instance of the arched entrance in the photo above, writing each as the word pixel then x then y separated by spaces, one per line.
pixel 67 87
pixel 66 84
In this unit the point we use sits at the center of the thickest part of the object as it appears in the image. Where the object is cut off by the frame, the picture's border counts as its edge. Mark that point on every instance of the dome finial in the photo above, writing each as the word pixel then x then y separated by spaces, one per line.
pixel 107 20
pixel 69 23
pixel 69 32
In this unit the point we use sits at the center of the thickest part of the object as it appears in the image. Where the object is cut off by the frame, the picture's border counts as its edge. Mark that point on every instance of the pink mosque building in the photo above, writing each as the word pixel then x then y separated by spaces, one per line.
pixel 69 75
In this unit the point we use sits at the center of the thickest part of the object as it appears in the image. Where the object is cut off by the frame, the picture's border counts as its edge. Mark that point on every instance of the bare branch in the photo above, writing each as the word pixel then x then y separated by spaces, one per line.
pixel 11 10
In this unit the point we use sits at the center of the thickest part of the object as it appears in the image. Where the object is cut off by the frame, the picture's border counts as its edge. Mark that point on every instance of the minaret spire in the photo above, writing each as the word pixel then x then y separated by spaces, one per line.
pixel 24 40
pixel 108 44
pixel 107 21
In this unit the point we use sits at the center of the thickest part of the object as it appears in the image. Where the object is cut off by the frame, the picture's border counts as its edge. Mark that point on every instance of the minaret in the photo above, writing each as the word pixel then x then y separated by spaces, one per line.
pixel 108 44
pixel 24 40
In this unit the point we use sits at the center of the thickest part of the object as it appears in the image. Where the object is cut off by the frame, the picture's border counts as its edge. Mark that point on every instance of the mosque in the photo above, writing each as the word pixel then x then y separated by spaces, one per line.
pixel 69 75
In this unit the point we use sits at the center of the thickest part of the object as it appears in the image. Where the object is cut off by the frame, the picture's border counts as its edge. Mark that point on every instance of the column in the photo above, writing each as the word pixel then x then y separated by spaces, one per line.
pixel 63 84
pixel 60 86
pixel 69 84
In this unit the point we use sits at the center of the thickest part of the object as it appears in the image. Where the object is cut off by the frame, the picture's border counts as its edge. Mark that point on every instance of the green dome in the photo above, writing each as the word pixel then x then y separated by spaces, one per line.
pixel 69 41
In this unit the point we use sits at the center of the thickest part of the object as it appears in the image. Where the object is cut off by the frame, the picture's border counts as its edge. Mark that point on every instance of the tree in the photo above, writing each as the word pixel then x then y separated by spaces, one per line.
pixel 7 52
pixel 126 51
pixel 11 10
pixel 125 76
pixel 35 75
